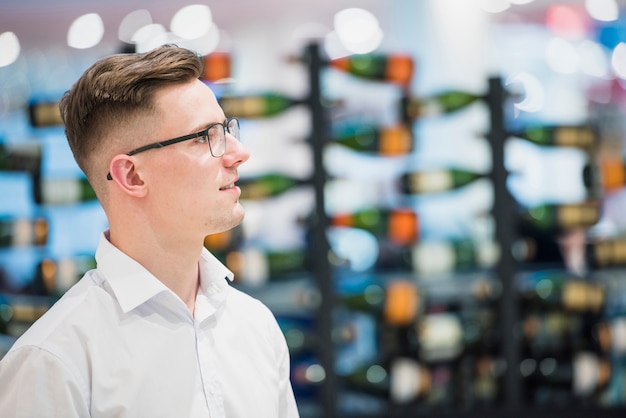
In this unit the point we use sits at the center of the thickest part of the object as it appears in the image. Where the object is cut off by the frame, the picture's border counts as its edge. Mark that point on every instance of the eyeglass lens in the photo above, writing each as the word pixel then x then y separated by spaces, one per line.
pixel 217 136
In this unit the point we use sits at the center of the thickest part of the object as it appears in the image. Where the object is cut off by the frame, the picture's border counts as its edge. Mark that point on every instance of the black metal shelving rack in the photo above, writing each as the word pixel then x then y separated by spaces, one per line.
pixel 321 248
pixel 506 269
pixel 505 235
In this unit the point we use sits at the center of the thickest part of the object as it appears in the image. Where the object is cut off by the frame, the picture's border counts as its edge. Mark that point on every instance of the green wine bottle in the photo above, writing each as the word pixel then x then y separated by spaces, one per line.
pixel 225 240
pixel 403 381
pixel 396 302
pixel 434 181
pixel 556 380
pixel 394 68
pixel 564 216
pixel 25 310
pixel 256 106
pixel 549 331
pixel 55 276
pixel 20 157
pixel 610 252
pixel 450 101
pixel 605 174
pixel 302 338
pixel 216 66
pixel 21 232
pixel 436 257
pixel 562 136
pixel 611 335
pixel 254 266
pixel 63 191
pixel 6 312
pixel 267 185
pixel 398 225
pixel 555 289
pixel 385 141
pixel 442 336
pixel 44 113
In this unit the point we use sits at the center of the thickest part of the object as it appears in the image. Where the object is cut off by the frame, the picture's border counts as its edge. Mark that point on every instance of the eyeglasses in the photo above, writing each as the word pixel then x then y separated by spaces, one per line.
pixel 214 135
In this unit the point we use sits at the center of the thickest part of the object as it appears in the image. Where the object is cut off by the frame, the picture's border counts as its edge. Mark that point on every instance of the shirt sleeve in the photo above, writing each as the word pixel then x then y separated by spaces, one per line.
pixel 36 383
pixel 287 403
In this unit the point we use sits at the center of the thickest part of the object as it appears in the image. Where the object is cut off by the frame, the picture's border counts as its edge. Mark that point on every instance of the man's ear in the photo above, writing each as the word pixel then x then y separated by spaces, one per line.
pixel 124 172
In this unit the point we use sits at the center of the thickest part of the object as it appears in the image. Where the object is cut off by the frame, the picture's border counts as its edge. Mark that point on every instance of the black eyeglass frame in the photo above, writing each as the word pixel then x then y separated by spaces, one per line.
pixel 204 132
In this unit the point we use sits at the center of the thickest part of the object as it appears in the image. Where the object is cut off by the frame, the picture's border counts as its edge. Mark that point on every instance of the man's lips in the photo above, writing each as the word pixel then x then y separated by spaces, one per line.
pixel 229 185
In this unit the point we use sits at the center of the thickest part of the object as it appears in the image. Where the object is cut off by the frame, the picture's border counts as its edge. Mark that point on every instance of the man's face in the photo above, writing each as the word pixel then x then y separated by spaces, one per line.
pixel 190 190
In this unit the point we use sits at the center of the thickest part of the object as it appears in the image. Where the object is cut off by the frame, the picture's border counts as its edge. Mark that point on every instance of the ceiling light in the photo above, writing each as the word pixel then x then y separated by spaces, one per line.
pixel 618 60
pixel 86 31
pixel 566 21
pixel 149 36
pixel 358 30
pixel 493 6
pixel 9 48
pixel 604 10
pixel 131 23
pixel 561 56
pixel 192 22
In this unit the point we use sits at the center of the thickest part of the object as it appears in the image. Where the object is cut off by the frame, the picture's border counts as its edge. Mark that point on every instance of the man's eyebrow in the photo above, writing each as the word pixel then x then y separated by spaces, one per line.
pixel 205 126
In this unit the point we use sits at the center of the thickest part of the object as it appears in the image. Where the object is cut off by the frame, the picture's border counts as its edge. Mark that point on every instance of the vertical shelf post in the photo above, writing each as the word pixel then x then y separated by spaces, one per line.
pixel 505 224
pixel 321 248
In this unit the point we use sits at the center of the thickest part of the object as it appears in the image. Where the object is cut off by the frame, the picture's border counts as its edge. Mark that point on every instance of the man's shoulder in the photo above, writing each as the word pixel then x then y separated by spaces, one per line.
pixel 247 303
pixel 73 312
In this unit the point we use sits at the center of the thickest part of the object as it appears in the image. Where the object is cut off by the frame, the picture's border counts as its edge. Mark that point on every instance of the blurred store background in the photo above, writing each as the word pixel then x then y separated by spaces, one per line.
pixel 439 224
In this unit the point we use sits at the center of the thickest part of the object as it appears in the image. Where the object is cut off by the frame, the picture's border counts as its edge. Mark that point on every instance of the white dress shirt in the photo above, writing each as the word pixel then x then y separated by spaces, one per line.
pixel 121 344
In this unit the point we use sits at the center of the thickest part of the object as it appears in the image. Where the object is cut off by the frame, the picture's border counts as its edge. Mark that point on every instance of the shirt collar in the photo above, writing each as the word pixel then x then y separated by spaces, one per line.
pixel 133 285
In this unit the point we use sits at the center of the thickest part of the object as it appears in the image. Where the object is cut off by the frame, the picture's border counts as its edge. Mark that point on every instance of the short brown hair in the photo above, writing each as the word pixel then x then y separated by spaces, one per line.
pixel 114 92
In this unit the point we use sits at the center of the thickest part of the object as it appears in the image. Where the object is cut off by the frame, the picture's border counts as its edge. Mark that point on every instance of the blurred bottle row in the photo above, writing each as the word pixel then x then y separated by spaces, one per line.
pixel 416 320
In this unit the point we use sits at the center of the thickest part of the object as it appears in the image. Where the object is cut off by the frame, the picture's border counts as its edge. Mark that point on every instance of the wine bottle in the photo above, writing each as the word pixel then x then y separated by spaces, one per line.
pixel 24 310
pixel 556 289
pixel 267 185
pixel 561 136
pixel 44 113
pixel 484 380
pixel 394 68
pixel 254 266
pixel 20 232
pixel 307 374
pixel 6 312
pixel 551 380
pixel 299 335
pixel 63 191
pixel 436 257
pixel 443 336
pixel 20 157
pixel 413 108
pixel 303 339
pixel 216 66
pixel 397 302
pixel 256 106
pixel 605 175
pixel 223 241
pixel 399 225
pixel 385 141
pixel 403 381
pixel 608 252
pixel 433 181
pixel 611 335
pixel 562 217
pixel 55 276
pixel 550 332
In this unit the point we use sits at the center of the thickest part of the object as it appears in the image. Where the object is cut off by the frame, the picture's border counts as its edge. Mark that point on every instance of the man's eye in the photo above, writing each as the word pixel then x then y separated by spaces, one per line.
pixel 202 138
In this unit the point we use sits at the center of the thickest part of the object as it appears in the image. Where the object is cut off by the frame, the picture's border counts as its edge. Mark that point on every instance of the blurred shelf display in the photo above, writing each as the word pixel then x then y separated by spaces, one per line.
pixel 524 313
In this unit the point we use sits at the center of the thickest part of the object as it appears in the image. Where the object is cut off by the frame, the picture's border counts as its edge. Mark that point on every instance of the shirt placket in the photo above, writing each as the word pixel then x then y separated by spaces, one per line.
pixel 208 372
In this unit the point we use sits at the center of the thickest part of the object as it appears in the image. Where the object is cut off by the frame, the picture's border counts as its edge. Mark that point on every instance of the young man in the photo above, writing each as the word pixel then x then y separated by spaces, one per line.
pixel 155 330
